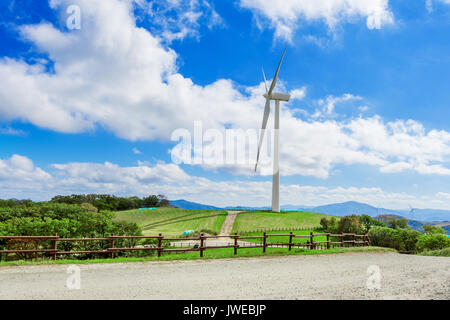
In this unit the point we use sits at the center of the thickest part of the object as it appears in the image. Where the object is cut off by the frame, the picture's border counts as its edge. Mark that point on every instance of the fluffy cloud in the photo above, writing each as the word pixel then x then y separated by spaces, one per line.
pixel 11 131
pixel 328 105
pixel 111 74
pixel 19 175
pixel 298 94
pixel 112 173
pixel 136 151
pixel 429 4
pixel 443 195
pixel 115 75
pixel 406 143
pixel 285 16
pixel 20 168
pixel 178 19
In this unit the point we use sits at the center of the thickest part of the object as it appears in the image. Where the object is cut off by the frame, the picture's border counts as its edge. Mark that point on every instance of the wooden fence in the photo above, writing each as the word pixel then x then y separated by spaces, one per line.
pixel 281 229
pixel 345 240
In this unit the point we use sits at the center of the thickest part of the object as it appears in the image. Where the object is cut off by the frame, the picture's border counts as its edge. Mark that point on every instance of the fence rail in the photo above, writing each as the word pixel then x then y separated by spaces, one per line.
pixel 200 246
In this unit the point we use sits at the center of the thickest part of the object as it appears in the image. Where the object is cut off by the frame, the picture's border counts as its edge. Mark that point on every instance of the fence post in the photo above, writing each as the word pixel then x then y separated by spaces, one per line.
pixel 54 246
pixel 235 243
pixel 354 240
pixel 290 241
pixel 312 240
pixel 264 242
pixel 111 246
pixel 328 240
pixel 342 240
pixel 159 244
pixel 201 245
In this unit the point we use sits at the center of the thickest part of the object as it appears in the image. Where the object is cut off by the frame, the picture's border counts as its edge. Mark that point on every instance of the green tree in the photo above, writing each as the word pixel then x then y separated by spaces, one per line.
pixel 395 223
pixel 150 201
pixel 429 229
pixel 433 242
pixel 349 224
pixel 368 222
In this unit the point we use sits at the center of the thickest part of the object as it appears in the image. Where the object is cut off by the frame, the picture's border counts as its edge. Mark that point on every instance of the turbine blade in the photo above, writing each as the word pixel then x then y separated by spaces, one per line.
pixel 265 81
pixel 274 81
pixel 264 125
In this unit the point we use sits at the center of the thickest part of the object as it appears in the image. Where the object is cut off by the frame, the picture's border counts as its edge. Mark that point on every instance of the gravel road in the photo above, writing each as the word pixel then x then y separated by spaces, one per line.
pixel 331 276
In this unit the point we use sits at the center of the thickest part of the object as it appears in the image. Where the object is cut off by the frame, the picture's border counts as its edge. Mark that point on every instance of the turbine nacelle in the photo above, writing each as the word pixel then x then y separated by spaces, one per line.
pixel 278 96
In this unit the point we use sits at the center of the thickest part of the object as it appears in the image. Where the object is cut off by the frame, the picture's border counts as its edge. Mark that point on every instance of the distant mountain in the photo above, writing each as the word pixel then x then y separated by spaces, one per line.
pixel 353 207
pixel 413 224
pixel 292 207
pixel 184 204
pixel 426 214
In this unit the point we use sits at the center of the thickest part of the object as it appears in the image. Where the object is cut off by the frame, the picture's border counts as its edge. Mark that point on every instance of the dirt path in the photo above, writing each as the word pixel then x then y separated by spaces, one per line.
pixel 330 276
pixel 225 230
pixel 228 224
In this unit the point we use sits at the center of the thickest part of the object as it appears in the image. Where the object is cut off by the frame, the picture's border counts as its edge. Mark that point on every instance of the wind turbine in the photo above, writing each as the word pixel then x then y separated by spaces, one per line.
pixel 277 97
pixel 411 211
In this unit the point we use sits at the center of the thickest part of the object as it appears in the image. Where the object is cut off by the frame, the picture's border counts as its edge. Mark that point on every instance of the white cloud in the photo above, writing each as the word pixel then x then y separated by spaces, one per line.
pixel 328 105
pixel 443 194
pixel 136 151
pixel 107 173
pixel 286 16
pixel 429 5
pixel 178 19
pixel 19 171
pixel 363 108
pixel 407 142
pixel 298 94
pixel 11 131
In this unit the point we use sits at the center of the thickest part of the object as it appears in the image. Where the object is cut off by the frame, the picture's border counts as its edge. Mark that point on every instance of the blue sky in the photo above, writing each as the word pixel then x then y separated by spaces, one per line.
pixel 93 109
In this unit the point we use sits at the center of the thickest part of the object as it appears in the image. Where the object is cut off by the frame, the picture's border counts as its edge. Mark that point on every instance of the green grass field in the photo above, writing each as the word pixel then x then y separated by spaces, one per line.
pixel 251 221
pixel 172 222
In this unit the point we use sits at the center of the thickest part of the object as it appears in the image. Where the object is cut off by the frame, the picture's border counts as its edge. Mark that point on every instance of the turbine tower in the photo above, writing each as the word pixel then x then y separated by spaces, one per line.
pixel 277 97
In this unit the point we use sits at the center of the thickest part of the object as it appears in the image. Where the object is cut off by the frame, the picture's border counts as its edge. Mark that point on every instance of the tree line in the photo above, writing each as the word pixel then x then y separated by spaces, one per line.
pixel 101 201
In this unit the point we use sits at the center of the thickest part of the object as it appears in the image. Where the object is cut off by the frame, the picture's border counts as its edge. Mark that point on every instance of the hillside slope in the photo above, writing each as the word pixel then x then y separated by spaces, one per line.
pixel 249 221
pixel 172 222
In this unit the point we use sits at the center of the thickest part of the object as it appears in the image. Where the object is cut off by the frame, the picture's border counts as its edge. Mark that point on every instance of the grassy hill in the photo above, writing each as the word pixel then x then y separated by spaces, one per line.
pixel 250 221
pixel 172 222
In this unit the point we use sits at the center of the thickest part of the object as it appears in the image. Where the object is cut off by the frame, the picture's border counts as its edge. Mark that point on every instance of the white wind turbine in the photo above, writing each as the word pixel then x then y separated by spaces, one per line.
pixel 270 95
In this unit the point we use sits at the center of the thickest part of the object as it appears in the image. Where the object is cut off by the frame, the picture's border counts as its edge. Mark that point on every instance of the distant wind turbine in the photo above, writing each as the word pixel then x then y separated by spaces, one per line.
pixel 411 211
pixel 277 97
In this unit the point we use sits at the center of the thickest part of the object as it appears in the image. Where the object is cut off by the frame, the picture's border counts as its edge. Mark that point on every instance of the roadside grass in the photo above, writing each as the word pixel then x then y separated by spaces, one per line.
pixel 249 221
pixel 437 253
pixel 172 222
pixel 210 254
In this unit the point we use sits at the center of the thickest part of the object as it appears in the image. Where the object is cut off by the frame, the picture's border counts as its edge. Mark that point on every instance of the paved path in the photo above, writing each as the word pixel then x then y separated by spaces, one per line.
pixel 340 276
